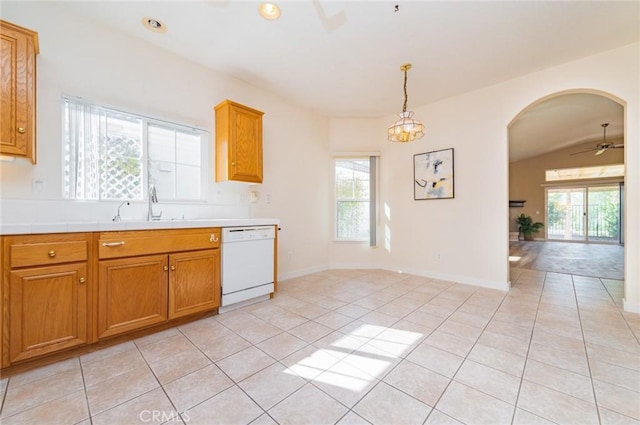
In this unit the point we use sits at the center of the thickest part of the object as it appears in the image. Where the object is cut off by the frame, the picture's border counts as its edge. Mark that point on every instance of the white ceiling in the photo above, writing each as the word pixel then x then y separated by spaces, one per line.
pixel 563 121
pixel 342 58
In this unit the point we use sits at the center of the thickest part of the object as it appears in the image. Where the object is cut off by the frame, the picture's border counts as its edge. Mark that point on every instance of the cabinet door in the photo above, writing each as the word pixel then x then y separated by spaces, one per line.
pixel 246 145
pixel 18 49
pixel 194 282
pixel 47 310
pixel 132 294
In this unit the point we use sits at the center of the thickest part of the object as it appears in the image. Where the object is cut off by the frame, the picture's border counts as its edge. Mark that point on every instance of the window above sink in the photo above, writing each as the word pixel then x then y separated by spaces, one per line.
pixel 110 154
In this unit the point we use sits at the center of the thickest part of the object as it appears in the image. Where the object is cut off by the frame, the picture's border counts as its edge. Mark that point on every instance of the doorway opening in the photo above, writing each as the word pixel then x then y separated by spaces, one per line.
pixel 562 134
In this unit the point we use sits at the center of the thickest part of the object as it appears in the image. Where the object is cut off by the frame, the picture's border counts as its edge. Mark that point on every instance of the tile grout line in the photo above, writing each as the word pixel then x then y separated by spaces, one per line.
pixel 586 352
pixel 236 384
pixel 175 409
pixel 84 388
pixel 526 357
pixel 620 312
pixel 58 397
pixel 4 396
pixel 465 357
pixel 350 409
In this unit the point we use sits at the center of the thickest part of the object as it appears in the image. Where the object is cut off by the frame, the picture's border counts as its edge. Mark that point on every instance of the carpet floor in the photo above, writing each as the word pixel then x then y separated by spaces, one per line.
pixel 583 259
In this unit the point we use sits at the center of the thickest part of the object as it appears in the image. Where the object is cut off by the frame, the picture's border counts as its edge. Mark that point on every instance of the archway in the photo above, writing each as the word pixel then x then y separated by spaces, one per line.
pixel 562 131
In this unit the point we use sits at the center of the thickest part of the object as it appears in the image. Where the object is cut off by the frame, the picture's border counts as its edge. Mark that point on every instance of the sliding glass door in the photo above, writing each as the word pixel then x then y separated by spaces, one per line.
pixel 590 213
pixel 603 214
pixel 566 214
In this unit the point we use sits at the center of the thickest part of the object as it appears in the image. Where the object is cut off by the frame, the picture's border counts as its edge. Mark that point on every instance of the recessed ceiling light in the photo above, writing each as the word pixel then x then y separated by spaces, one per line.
pixel 154 24
pixel 269 11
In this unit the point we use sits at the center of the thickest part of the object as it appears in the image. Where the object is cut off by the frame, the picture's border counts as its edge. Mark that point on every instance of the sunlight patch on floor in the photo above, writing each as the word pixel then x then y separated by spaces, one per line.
pixel 357 358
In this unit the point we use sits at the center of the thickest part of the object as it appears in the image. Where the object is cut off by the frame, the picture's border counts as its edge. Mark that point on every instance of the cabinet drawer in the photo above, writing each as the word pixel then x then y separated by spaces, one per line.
pixel 36 254
pixel 146 242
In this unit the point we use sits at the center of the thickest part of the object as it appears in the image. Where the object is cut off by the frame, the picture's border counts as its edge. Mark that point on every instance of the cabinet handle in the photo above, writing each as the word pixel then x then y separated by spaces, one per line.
pixel 22 130
pixel 83 280
pixel 110 244
pixel 213 238
pixel 173 268
pixel 165 268
pixel 52 254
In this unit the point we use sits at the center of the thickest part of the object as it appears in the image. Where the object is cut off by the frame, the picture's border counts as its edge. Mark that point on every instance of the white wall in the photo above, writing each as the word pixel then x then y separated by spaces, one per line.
pixel 86 59
pixel 462 239
pixel 348 135
pixel 466 238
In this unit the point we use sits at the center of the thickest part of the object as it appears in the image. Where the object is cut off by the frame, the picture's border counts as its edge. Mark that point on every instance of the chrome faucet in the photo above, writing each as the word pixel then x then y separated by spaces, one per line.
pixel 117 216
pixel 153 199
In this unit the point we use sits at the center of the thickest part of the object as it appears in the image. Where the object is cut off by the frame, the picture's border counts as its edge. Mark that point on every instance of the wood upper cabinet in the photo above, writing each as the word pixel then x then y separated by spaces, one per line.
pixel 46 283
pixel 18 50
pixel 238 143
pixel 194 282
pixel 132 294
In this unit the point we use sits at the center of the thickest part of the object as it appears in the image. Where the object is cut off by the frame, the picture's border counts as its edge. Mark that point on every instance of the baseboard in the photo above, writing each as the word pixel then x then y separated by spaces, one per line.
pixel 467 280
pixel 302 272
pixel 630 307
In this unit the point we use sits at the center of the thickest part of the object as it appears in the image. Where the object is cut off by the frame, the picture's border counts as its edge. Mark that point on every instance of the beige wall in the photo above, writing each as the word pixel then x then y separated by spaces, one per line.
pixel 527 176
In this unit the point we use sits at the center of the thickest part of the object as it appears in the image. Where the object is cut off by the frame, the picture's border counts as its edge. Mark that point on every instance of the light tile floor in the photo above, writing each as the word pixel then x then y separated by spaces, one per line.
pixel 364 346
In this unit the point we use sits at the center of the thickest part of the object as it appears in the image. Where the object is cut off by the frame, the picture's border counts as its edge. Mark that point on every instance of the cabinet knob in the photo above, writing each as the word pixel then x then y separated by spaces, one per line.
pixel 22 130
pixel 83 280
pixel 173 268
pixel 233 163
pixel 52 254
pixel 165 268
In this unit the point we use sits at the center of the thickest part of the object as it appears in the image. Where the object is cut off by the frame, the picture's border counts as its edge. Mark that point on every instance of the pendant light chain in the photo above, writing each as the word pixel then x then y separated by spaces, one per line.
pixel 406 129
pixel 404 106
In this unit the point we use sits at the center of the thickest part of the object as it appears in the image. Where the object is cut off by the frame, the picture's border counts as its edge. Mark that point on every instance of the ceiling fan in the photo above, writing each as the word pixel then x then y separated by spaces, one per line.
pixel 602 147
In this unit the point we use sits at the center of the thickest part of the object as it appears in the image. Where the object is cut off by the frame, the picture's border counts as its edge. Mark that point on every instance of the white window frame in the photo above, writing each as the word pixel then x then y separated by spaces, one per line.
pixel 146 119
pixel 374 161
pixel 584 173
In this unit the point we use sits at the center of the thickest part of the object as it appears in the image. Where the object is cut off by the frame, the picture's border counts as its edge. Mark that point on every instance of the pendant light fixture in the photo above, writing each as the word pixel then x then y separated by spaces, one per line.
pixel 406 129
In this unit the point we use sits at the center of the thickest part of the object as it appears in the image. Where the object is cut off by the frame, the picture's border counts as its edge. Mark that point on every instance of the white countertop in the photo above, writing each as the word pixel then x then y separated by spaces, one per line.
pixel 105 226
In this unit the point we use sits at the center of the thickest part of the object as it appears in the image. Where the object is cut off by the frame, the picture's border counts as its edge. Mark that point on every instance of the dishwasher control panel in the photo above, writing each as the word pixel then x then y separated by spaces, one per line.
pixel 238 234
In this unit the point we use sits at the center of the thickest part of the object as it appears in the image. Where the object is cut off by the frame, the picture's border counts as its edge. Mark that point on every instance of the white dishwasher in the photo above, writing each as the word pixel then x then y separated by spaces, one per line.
pixel 247 265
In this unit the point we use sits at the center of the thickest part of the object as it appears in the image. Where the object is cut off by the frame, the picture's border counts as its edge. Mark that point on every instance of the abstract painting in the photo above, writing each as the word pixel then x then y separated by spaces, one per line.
pixel 433 175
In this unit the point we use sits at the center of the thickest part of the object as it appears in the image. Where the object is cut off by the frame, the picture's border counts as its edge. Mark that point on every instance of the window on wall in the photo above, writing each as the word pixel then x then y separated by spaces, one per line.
pixel 595 172
pixel 355 194
pixel 114 155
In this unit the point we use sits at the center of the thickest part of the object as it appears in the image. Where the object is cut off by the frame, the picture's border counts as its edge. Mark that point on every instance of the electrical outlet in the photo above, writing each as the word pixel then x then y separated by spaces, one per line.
pixel 38 185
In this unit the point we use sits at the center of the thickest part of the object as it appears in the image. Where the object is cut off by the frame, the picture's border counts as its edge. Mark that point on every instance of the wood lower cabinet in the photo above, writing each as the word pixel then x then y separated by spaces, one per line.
pixel 48 310
pixel 46 287
pixel 62 291
pixel 194 282
pixel 132 294
pixel 136 291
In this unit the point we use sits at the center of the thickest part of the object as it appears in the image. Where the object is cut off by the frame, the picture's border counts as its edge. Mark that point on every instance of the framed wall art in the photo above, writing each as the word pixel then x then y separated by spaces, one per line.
pixel 433 175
